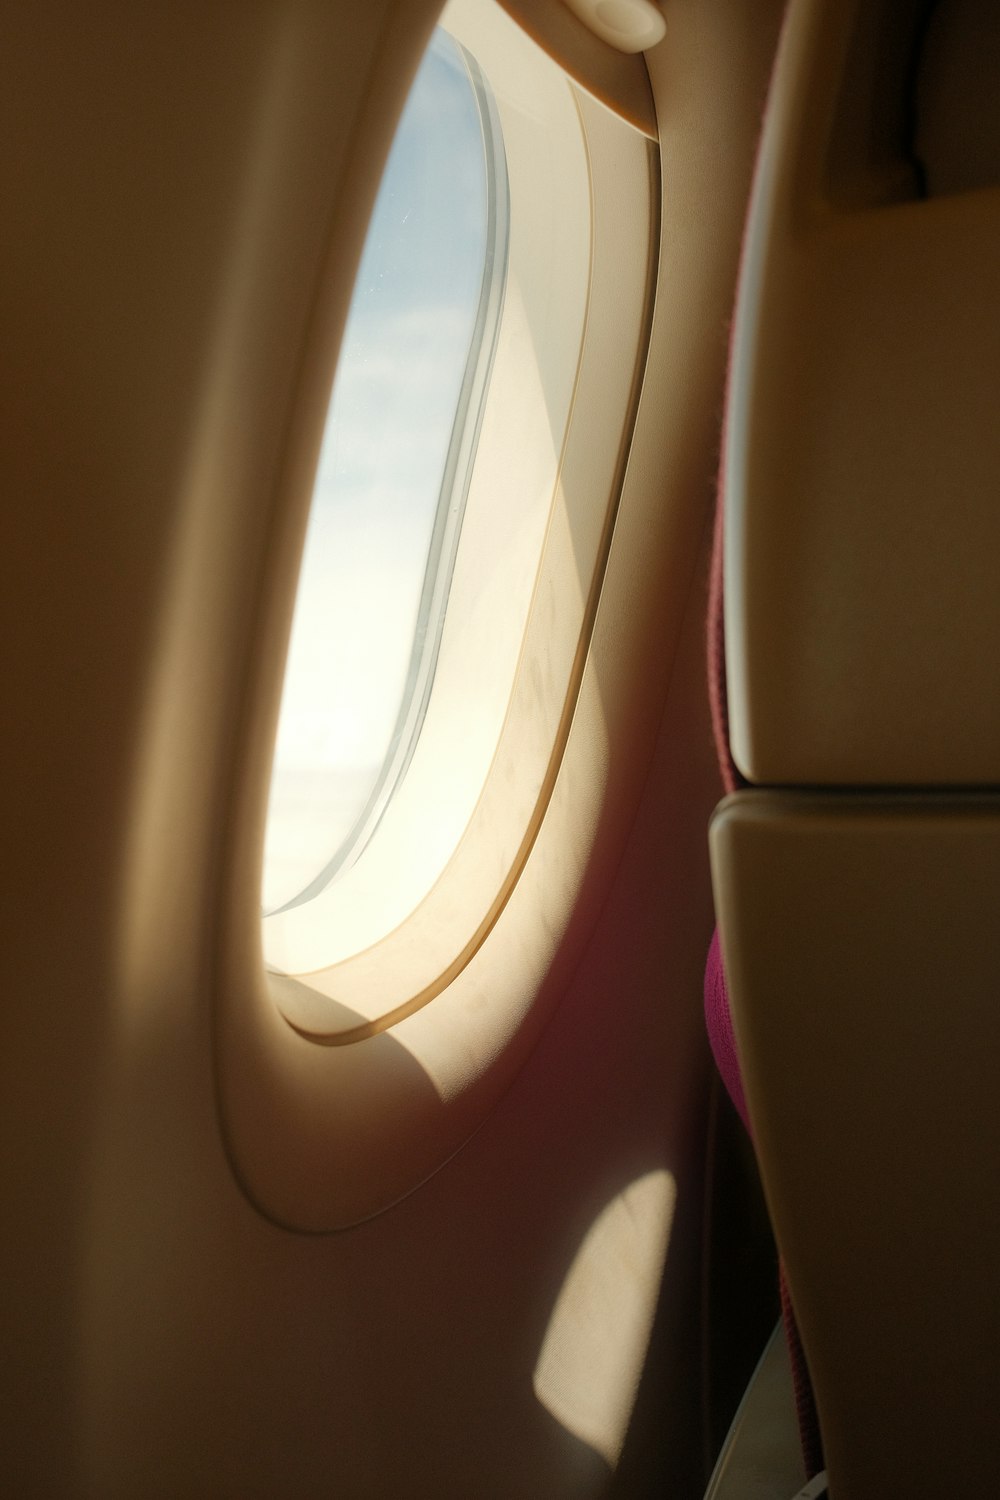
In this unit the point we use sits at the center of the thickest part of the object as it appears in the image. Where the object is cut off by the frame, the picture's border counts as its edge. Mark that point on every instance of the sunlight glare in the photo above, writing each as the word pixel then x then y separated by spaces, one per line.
pixel 588 1370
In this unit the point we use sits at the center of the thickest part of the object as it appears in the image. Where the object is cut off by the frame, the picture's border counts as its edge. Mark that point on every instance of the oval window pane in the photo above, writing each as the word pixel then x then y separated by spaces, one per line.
pixel 392 477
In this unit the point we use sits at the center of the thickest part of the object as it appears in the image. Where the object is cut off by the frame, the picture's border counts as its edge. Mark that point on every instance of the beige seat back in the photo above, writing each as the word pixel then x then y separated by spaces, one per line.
pixel 858 878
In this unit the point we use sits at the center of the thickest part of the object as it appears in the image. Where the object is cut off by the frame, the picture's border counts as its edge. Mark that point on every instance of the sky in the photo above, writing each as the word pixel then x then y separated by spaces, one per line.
pixel 384 451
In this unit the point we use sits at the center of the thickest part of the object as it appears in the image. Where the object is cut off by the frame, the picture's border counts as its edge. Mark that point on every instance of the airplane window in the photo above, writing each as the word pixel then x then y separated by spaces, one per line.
pixel 465 500
pixel 392 482
pixel 443 751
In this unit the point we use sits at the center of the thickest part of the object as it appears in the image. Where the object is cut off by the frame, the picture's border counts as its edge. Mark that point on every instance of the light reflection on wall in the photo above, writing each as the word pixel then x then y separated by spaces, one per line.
pixel 592 1356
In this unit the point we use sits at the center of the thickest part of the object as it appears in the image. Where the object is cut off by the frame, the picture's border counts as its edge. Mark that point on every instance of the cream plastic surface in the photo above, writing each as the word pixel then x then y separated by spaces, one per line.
pixel 863 451
pixel 859 937
pixel 628 25
pixel 762 1455
pixel 619 80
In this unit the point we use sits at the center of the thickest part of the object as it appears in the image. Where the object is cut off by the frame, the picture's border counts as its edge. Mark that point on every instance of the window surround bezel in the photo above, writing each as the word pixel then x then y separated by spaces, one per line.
pixel 323 1136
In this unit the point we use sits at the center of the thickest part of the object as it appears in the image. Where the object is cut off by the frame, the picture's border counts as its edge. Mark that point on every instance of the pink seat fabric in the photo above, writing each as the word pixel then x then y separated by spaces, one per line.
pixel 720 1028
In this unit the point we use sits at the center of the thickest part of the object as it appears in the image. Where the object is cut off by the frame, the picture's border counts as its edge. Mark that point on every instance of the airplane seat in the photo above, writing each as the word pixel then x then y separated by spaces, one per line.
pixel 856 857
pixel 722 1041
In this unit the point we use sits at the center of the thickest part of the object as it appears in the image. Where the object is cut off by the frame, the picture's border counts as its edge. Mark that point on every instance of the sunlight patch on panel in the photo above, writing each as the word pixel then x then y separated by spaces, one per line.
pixel 588 1370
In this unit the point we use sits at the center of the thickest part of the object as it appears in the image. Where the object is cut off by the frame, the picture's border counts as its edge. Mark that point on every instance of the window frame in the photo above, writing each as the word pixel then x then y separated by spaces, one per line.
pixel 334 1106
pixel 396 929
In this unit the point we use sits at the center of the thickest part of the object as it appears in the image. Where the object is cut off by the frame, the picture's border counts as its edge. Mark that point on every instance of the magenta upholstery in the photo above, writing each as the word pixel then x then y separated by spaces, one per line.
pixel 720 1028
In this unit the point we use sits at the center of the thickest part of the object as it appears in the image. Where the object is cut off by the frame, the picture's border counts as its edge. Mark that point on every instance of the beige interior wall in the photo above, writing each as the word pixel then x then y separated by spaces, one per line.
pixel 174 175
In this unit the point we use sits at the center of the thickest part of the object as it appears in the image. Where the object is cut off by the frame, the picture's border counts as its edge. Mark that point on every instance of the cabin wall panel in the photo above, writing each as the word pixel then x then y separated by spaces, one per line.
pixel 160 1336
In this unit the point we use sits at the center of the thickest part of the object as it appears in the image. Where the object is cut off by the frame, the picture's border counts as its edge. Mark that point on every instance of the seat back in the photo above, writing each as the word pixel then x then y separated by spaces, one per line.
pixel 857 873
